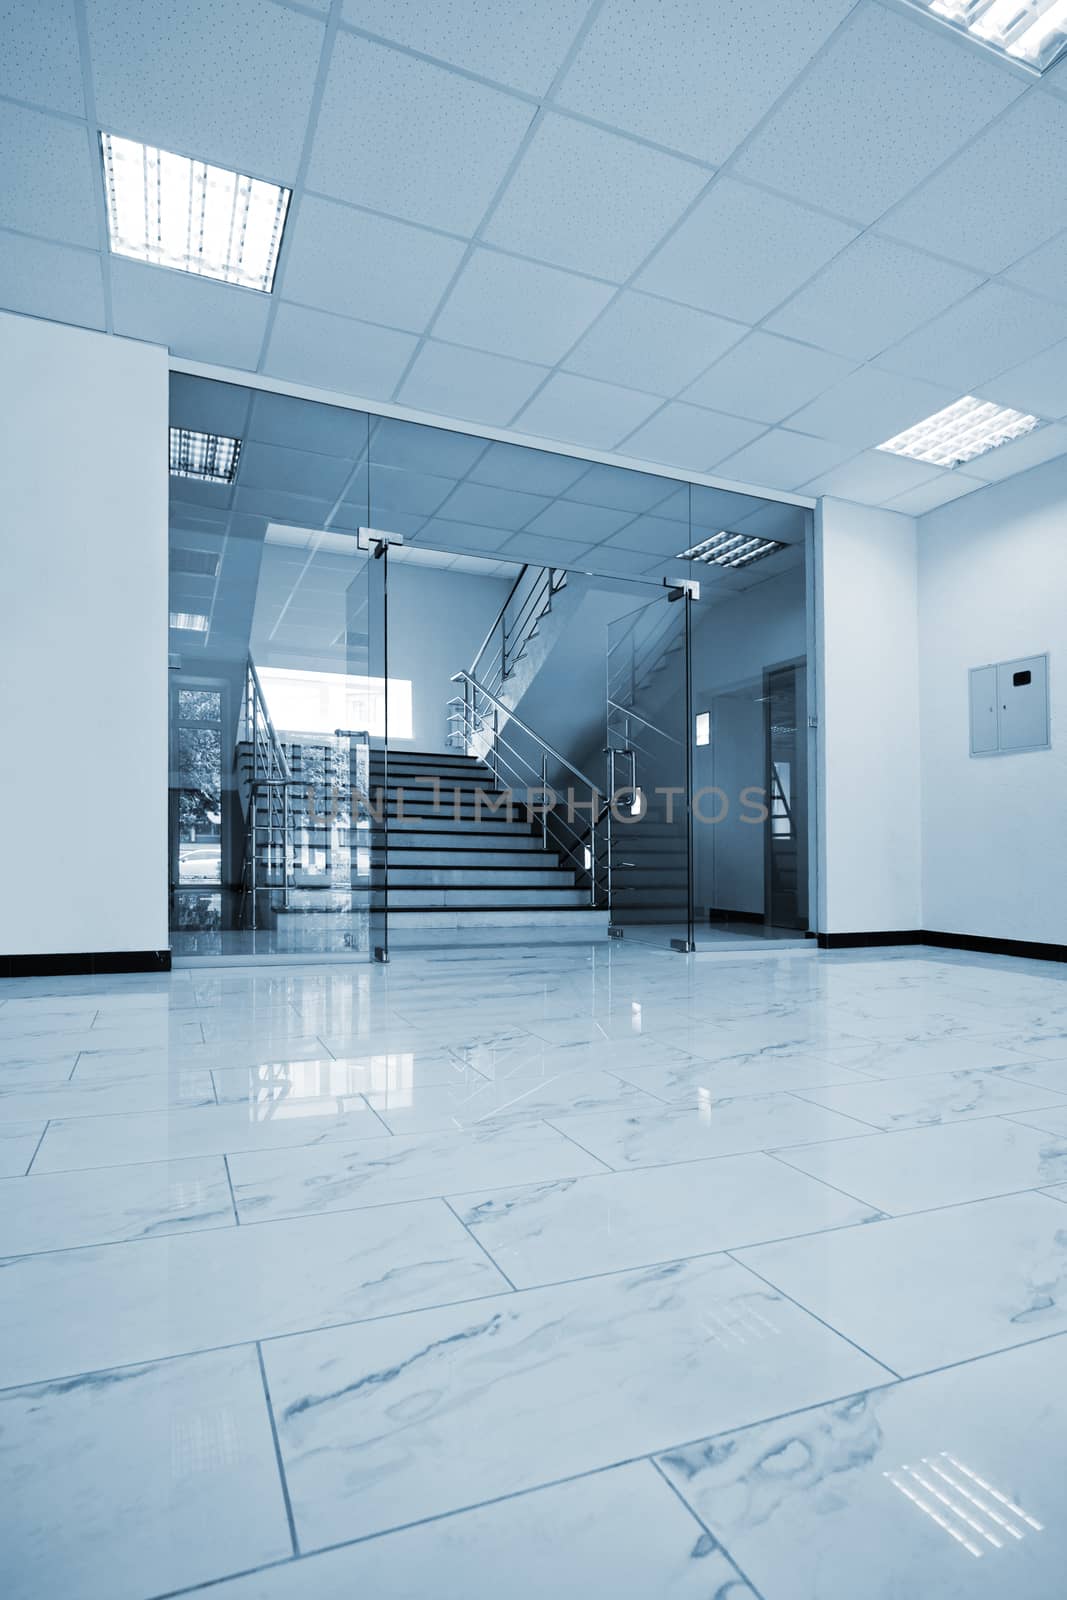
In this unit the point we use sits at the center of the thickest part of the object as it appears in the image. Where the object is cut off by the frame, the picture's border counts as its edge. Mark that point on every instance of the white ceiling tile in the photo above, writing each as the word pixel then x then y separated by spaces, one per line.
pixel 518 308
pixel 333 353
pixel 521 44
pixel 591 200
pixel 690 437
pixel 622 488
pixel 741 251
pixel 652 344
pixel 692 75
pixel 40 60
pixel 233 89
pixel 582 411
pixel 457 382
pixel 873 294
pixel 1041 445
pixel 1019 164
pixel 552 552
pixel 881 108
pixel 404 136
pixel 192 316
pixel 782 459
pixel 1044 271
pixel 1037 386
pixel 870 406
pixel 766 378
pixel 492 508
pixel 517 466
pixel 442 535
pixel 654 535
pixel 49 178
pixel 564 519
pixel 607 558
pixel 992 330
pixel 938 492
pixel 873 478
pixel 51 280
pixel 366 266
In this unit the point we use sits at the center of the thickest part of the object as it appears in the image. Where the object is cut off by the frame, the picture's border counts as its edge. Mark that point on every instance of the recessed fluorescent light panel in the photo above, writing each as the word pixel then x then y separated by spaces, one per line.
pixel 1031 31
pixel 731 550
pixel 962 431
pixel 188 621
pixel 211 457
pixel 173 212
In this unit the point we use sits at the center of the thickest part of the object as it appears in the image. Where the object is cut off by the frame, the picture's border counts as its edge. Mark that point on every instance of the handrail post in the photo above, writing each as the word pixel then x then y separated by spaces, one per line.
pixel 544 801
pixel 592 854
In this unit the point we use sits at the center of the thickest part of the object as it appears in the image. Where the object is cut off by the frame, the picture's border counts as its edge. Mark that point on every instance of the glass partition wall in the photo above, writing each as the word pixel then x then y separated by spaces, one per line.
pixel 430 688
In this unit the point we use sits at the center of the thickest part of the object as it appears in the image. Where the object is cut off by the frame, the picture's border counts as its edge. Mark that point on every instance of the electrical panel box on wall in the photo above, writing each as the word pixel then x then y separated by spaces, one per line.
pixel 1009 707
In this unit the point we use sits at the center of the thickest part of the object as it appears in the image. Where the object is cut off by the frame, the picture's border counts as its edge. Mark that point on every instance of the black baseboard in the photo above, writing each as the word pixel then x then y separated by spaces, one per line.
pixel 861 941
pixel 1030 949
pixel 719 914
pixel 92 962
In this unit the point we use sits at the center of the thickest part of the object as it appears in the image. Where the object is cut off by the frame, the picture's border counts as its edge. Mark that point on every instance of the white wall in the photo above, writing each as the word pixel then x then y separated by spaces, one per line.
pixel 437 621
pixel 83 641
pixel 992 587
pixel 868 709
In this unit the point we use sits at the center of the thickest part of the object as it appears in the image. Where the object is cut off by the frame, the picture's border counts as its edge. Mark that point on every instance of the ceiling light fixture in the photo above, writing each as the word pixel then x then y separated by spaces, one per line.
pixel 960 432
pixel 212 457
pixel 174 212
pixel 1033 32
pixel 731 550
pixel 188 621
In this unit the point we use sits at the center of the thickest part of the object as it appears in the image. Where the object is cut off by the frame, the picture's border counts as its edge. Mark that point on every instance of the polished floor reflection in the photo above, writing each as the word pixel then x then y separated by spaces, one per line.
pixel 589 1270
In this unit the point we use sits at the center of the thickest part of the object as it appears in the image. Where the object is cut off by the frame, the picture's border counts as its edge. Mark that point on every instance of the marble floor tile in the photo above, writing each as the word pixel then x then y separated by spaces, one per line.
pixel 949 1486
pixel 393 1073
pixel 58 1211
pixel 906 1058
pixel 297 1182
pixel 575 1227
pixel 18 1141
pixel 78 1310
pixel 100 1097
pixel 621 1533
pixel 921 1291
pixel 522 1096
pixel 934 1098
pixel 524 1389
pixel 120 1485
pixel 943 1166
pixel 710 1127
pixel 1050 1075
pixel 208 1130
pixel 778 1068
pixel 19 1072
pixel 17 1026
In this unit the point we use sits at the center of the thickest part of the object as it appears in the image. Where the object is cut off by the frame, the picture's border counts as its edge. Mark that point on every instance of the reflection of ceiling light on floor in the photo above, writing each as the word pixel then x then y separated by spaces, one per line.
pixel 963 1504
pixel 738 1325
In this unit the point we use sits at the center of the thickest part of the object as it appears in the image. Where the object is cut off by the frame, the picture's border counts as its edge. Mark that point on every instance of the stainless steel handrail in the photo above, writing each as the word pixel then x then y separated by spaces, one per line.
pixel 625 711
pixel 497 620
pixel 466 677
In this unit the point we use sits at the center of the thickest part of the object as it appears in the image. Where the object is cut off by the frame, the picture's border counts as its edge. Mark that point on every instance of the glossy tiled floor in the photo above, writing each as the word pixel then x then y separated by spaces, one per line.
pixel 595 1271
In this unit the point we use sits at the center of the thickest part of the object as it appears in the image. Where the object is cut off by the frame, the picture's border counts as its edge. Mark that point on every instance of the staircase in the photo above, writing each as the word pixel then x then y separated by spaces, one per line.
pixel 455 857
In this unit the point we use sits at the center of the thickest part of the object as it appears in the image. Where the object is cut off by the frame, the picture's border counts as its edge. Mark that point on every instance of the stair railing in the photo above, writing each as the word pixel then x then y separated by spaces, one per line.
pixel 269 782
pixel 528 600
pixel 480 719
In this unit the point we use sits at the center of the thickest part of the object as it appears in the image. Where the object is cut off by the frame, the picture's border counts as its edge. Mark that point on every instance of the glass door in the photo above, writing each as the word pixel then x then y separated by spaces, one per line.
pixel 649 771
pixel 367 633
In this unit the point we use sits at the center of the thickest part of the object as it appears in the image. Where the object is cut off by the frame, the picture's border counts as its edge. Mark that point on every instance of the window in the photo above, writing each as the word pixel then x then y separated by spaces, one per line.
pixel 199 785
pixel 322 702
pixel 703 727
